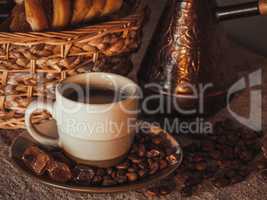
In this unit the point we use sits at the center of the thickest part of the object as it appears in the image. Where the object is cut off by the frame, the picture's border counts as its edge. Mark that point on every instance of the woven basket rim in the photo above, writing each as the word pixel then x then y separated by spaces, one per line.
pixel 130 22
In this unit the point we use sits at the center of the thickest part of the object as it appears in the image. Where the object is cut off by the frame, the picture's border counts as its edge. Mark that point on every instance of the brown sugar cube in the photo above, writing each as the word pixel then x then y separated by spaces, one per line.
pixel 59 171
pixel 36 159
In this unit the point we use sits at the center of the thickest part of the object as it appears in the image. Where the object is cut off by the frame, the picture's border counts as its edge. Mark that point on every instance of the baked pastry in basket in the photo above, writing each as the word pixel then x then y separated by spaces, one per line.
pixel 39 15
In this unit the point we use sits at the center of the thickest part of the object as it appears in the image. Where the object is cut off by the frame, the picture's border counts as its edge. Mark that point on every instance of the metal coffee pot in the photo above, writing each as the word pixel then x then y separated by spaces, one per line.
pixel 184 67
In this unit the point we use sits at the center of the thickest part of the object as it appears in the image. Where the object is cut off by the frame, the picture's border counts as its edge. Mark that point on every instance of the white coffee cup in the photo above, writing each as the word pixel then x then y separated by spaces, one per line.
pixel 95 134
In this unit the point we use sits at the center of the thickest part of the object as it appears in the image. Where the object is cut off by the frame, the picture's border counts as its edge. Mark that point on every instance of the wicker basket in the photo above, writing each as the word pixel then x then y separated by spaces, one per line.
pixel 31 64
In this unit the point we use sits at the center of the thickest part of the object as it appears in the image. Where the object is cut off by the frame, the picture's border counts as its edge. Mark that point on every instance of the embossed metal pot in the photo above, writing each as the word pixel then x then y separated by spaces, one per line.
pixel 185 63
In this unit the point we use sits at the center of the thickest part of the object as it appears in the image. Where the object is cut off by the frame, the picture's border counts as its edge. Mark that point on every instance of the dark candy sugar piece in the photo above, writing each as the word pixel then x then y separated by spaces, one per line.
pixel 36 159
pixel 59 171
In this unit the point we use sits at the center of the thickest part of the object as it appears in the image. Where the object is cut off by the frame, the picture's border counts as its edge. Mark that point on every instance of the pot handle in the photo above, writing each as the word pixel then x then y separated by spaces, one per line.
pixel 242 10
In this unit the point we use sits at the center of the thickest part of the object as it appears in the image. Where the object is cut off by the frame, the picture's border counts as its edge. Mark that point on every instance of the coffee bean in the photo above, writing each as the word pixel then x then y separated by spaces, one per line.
pixel 137 166
pixel 152 192
pixel 221 141
pixel 132 176
pixel 235 164
pixel 172 159
pixel 264 174
pixel 114 175
pixel 109 171
pixel 197 158
pixel 83 173
pixel 228 153
pixel 237 179
pixel 141 150
pixel 100 172
pixel 123 165
pixel 233 139
pixel 141 140
pixel 243 171
pixel 163 164
pixel 169 151
pixel 187 191
pixel 194 179
pixel 157 140
pixel 121 177
pixel 249 135
pixel 221 182
pixel 142 173
pixel 97 180
pixel 262 164
pixel 108 181
pixel 224 164
pixel 215 155
pixel 153 153
pixel 134 148
pixel 245 156
pixel 131 169
pixel 208 146
pixel 134 159
pixel 209 174
pixel 230 173
pixel 201 166
pixel 143 165
pixel 153 167
pixel 165 190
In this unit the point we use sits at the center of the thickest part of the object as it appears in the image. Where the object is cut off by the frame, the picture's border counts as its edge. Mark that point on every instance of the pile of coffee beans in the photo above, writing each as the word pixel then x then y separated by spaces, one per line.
pixel 223 158
pixel 150 154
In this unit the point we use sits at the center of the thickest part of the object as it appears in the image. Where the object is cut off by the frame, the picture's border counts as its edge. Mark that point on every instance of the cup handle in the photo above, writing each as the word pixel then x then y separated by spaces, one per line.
pixel 39 137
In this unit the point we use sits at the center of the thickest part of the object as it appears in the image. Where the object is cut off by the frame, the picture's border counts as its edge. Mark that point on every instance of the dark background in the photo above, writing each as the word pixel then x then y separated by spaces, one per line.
pixel 250 32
